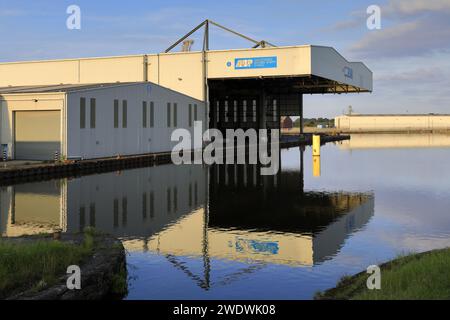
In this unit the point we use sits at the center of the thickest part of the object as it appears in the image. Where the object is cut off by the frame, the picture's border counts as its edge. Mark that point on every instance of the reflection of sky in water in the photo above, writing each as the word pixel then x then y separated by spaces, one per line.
pixel 407 210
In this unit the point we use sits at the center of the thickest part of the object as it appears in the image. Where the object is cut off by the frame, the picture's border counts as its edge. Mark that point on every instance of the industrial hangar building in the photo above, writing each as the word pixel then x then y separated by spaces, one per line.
pixel 94 121
pixel 75 106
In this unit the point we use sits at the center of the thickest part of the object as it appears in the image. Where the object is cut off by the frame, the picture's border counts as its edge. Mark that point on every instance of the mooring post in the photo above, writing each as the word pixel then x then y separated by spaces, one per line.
pixel 300 100
pixel 316 155
pixel 316 145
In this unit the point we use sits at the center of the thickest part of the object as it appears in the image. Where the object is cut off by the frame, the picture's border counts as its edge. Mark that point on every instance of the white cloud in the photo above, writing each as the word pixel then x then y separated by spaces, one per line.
pixel 430 74
pixel 357 20
pixel 414 7
pixel 406 39
pixel 413 27
pixel 11 13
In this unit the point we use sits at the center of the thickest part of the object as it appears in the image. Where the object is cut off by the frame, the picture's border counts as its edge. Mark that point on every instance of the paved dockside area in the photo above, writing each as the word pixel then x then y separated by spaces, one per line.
pixel 17 171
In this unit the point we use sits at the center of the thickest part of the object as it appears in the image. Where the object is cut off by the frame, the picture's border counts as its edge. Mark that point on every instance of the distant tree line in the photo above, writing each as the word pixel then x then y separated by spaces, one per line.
pixel 314 122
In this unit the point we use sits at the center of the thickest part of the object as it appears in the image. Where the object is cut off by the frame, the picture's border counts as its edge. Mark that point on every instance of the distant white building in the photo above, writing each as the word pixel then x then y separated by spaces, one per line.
pixel 392 122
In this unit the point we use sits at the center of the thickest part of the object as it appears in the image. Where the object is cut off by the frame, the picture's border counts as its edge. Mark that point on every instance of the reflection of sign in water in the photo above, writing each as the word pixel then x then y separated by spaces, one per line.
pixel 255 246
pixel 255 63
pixel 350 223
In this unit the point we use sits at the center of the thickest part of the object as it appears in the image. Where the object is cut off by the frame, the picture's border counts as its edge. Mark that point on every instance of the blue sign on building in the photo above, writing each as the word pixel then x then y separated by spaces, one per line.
pixel 256 63
pixel 348 72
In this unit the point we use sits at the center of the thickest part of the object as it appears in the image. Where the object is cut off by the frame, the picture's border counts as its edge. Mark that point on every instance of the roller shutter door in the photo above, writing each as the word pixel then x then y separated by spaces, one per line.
pixel 37 135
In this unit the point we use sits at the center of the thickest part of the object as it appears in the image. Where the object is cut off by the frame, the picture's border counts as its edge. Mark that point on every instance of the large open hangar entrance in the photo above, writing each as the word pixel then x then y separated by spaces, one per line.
pixel 260 102
pixel 250 103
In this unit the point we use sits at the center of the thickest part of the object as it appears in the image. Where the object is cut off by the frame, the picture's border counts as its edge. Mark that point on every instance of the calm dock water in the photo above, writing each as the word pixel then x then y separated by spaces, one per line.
pixel 226 232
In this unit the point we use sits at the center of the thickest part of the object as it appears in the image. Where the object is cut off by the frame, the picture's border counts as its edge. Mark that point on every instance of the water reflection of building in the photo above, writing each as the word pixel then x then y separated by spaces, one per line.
pixel 272 219
pixel 30 208
pixel 240 216
pixel 395 140
pixel 187 238
pixel 135 203
pixel 266 219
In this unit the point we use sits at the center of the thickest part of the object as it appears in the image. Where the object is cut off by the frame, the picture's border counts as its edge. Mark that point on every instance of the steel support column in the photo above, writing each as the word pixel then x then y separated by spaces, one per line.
pixel 300 99
pixel 302 170
pixel 262 117
pixel 205 74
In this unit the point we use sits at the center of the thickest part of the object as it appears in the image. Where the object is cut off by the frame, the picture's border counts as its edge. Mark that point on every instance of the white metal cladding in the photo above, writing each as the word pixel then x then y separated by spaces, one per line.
pixel 290 61
pixel 326 62
pixel 105 140
pixel 183 71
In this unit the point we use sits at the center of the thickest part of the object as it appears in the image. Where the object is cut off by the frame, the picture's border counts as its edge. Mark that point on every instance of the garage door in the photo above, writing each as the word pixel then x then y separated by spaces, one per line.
pixel 37 134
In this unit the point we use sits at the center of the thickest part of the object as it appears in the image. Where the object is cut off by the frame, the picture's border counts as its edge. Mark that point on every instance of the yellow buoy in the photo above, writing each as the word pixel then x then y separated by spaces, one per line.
pixel 316 145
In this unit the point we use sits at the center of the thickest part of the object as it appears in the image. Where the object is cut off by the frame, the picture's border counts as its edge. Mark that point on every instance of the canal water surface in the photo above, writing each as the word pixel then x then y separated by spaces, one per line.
pixel 226 232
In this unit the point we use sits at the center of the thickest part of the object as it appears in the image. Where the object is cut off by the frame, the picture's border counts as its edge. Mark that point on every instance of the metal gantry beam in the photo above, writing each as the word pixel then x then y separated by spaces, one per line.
pixel 186 36
pixel 234 32
pixel 206 24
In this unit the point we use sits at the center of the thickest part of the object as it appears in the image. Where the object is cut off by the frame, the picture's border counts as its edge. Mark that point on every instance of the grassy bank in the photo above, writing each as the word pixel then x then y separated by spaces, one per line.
pixel 413 277
pixel 39 263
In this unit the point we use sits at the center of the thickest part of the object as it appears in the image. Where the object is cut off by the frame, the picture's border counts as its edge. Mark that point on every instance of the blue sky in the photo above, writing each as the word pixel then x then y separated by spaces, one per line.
pixel 410 55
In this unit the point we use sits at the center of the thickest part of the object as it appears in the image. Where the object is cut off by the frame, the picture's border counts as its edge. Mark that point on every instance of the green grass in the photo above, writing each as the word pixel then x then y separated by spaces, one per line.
pixel 414 277
pixel 119 285
pixel 38 264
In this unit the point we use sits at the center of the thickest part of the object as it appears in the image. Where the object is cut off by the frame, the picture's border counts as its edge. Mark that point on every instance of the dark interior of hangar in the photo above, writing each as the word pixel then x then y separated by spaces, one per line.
pixel 259 103
pixel 251 103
